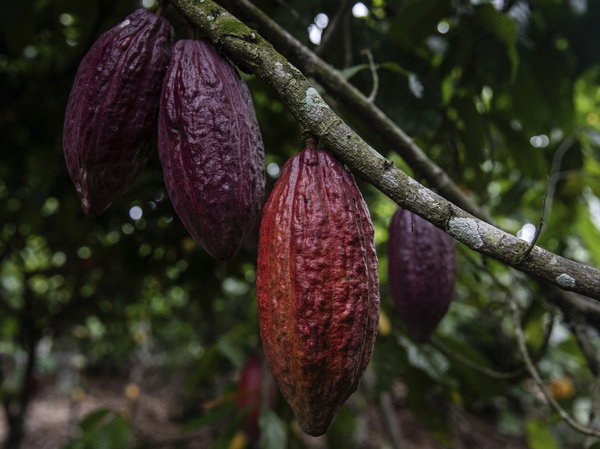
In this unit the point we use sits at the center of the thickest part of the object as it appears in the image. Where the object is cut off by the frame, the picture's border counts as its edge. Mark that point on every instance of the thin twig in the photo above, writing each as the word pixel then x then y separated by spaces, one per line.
pixel 332 27
pixel 487 131
pixel 374 75
pixel 489 371
pixel 579 330
pixel 347 39
pixel 290 9
pixel 557 159
pixel 538 230
pixel 520 335
pixel 470 363
pixel 481 267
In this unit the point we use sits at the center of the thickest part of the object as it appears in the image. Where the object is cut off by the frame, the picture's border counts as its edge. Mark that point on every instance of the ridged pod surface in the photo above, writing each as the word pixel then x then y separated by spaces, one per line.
pixel 421 272
pixel 210 148
pixel 111 112
pixel 317 287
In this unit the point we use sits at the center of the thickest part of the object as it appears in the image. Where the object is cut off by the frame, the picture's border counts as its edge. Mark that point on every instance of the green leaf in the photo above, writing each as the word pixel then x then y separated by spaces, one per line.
pixel 472 133
pixel 426 408
pixel 272 430
pixel 349 72
pixel 504 28
pixel 395 67
pixel 472 384
pixel 427 359
pixel 229 348
pixel 93 420
pixel 538 435
pixel 117 434
pixel 98 433
pixel 417 20
pixel 205 371
pixel 227 434
pixel 211 416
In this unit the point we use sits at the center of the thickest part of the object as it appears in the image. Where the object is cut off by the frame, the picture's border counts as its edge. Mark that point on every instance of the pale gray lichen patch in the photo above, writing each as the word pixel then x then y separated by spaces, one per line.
pixel 390 180
pixel 278 69
pixel 280 73
pixel 466 230
pixel 427 196
pixel 293 67
pixel 314 103
pixel 565 281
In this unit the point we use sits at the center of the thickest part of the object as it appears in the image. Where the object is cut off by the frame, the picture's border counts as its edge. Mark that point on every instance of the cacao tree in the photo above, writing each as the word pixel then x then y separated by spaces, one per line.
pixel 479 117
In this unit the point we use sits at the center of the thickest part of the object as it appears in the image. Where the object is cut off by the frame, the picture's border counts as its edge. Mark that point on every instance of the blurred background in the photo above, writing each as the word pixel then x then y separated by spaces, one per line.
pixel 120 332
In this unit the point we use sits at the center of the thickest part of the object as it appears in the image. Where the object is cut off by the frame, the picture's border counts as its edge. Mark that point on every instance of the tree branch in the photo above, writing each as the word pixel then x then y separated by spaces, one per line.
pixel 252 52
pixel 313 66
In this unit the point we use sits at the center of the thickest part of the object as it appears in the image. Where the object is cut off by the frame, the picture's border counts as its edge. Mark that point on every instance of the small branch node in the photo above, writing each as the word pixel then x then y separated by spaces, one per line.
pixel 538 231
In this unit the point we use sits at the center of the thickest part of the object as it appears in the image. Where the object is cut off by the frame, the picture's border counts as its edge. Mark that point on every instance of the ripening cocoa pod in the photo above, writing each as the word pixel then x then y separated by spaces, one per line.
pixel 250 395
pixel 421 272
pixel 111 112
pixel 210 148
pixel 317 287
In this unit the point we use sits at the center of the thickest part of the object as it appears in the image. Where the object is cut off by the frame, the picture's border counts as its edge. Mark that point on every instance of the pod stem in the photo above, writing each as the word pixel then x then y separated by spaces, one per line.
pixel 310 140
pixel 161 8
pixel 191 30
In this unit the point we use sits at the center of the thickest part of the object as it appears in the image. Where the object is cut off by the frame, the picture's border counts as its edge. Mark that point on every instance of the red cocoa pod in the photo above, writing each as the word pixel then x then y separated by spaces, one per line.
pixel 210 148
pixel 421 272
pixel 111 112
pixel 317 287
pixel 249 395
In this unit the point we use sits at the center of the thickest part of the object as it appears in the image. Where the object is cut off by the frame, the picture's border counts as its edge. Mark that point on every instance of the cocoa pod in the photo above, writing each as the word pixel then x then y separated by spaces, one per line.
pixel 210 148
pixel 421 272
pixel 250 395
pixel 111 112
pixel 317 287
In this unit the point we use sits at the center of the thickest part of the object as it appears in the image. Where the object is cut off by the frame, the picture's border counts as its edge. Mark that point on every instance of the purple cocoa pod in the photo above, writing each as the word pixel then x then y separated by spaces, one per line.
pixel 421 272
pixel 111 112
pixel 210 148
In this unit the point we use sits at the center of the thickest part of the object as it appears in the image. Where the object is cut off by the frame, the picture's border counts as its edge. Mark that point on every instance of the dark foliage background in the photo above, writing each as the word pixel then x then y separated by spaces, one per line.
pixel 500 95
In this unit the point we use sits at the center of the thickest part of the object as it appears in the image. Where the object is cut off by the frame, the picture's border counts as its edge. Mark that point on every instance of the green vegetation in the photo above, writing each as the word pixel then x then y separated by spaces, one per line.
pixel 504 97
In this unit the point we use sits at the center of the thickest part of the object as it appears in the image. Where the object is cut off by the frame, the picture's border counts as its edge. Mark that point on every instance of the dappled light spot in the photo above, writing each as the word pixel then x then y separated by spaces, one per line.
pixel 360 10
pixel 527 232
pixel 135 212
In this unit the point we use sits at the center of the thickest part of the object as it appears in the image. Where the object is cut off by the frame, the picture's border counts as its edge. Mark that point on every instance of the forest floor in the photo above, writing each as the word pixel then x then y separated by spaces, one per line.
pixel 53 416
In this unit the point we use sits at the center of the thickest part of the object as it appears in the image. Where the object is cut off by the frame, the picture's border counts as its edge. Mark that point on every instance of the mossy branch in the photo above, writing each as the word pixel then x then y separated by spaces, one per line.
pixel 361 106
pixel 247 48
